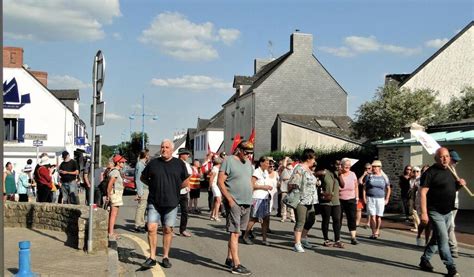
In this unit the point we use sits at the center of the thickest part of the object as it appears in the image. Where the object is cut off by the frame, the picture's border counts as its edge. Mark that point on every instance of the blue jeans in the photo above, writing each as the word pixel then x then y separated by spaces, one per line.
pixel 70 192
pixel 167 216
pixel 439 239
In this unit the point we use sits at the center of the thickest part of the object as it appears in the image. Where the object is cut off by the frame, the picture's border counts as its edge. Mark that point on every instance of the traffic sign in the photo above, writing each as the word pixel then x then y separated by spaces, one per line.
pixel 35 136
pixel 100 114
pixel 37 143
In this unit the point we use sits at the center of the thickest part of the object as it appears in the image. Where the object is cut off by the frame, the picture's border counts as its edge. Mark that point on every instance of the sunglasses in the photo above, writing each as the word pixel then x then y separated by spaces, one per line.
pixel 368 168
pixel 248 152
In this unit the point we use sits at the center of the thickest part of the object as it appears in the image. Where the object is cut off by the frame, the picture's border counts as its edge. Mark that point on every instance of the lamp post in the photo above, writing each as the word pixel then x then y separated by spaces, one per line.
pixel 143 114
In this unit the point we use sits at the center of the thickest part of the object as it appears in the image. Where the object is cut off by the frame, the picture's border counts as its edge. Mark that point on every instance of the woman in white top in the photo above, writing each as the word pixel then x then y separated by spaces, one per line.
pixel 260 210
pixel 215 189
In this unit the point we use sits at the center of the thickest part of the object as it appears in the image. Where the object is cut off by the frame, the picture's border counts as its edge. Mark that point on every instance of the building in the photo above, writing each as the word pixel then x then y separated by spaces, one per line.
pixel 209 135
pixel 296 83
pixel 398 152
pixel 448 71
pixel 34 115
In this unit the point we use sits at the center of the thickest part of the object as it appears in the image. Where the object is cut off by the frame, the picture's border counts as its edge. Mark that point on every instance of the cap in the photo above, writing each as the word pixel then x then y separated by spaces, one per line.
pixel 44 160
pixel 65 154
pixel 289 161
pixel 117 159
pixel 377 163
pixel 183 151
pixel 454 156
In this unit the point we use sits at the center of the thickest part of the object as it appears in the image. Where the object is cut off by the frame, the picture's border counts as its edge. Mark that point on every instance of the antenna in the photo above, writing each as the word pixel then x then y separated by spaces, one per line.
pixel 270 49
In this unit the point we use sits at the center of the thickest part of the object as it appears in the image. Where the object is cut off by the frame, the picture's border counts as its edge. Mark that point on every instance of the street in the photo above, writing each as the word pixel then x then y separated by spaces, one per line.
pixel 394 254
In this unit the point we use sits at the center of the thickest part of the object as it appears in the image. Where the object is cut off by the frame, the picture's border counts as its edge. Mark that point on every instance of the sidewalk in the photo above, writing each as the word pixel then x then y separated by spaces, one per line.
pixel 49 255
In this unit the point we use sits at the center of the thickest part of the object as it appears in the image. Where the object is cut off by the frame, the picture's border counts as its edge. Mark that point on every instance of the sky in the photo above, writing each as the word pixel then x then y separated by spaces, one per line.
pixel 181 56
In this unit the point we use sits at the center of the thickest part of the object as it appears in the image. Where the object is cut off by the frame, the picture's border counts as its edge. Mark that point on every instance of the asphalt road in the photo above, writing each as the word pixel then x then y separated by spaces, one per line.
pixel 394 254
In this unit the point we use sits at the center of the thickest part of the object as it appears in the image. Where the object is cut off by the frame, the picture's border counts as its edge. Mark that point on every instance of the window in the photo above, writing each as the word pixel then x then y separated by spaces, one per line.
pixel 10 129
pixel 203 142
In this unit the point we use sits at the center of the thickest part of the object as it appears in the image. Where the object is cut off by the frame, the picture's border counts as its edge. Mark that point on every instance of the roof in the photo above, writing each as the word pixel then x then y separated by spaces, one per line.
pixel 66 94
pixel 178 142
pixel 457 132
pixel 335 126
pixel 202 123
pixel 217 121
pixel 259 77
pixel 471 24
pixel 243 80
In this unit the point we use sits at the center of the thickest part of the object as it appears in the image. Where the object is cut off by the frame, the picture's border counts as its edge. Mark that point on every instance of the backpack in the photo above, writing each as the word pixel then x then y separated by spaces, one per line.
pixel 105 182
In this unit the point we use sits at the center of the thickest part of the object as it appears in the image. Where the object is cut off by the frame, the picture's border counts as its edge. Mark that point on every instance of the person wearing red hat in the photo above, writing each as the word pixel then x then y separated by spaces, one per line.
pixel 115 192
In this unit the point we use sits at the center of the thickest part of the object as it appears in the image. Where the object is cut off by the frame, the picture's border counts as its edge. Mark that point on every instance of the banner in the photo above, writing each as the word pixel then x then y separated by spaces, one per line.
pixel 427 141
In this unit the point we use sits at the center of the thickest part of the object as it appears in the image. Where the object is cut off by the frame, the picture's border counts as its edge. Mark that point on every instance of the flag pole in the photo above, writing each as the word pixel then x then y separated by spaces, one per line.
pixel 457 179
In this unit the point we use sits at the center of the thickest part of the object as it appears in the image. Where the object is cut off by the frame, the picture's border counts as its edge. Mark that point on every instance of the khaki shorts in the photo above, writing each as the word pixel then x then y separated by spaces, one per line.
pixel 116 198
pixel 237 217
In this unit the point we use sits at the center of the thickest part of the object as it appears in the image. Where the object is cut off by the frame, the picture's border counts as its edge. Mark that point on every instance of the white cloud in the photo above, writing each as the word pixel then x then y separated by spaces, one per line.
pixel 193 82
pixel 117 36
pixel 59 19
pixel 228 36
pixel 355 45
pixel 113 116
pixel 66 82
pixel 180 38
pixel 436 43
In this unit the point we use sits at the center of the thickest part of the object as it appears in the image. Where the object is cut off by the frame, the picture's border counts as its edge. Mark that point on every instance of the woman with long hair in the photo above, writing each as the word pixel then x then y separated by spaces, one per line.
pixel 216 192
pixel 115 192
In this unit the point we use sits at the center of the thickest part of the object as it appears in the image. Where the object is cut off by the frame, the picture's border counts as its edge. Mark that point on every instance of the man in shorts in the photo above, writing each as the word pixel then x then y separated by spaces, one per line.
pixel 235 183
pixel 165 177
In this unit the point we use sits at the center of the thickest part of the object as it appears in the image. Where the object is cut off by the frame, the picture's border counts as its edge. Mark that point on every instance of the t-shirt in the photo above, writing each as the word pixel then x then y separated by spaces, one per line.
pixel 404 186
pixel 70 166
pixel 138 182
pixel 330 184
pixel 375 186
pixel 190 172
pixel 164 180
pixel 118 185
pixel 261 177
pixel 239 178
pixel 442 189
pixel 285 177
pixel 348 192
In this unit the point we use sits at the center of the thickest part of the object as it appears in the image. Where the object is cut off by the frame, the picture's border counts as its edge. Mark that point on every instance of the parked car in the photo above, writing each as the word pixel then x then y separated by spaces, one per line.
pixel 129 181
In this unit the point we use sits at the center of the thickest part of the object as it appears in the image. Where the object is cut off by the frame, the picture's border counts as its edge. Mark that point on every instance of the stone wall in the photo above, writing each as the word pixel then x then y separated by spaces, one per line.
pixel 393 162
pixel 71 219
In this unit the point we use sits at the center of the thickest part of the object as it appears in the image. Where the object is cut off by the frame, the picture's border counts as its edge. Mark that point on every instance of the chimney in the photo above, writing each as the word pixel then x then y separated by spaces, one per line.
pixel 12 57
pixel 301 43
pixel 41 76
pixel 259 63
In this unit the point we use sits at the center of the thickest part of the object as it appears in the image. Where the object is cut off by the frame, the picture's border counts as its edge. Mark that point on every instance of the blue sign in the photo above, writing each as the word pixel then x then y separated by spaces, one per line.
pixel 80 141
pixel 11 96
pixel 89 149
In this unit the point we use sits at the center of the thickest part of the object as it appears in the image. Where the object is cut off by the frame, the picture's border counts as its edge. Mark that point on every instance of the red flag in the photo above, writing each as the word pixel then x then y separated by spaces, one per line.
pixel 236 142
pixel 252 136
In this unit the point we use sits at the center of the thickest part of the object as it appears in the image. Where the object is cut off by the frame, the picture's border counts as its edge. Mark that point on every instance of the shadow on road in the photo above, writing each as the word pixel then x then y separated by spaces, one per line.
pixel 190 257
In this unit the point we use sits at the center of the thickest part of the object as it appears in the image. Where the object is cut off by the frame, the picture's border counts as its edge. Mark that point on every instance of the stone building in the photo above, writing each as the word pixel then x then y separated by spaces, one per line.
pixel 296 83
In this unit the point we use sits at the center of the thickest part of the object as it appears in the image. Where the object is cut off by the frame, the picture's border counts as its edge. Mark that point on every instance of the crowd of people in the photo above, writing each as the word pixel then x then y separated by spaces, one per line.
pixel 246 194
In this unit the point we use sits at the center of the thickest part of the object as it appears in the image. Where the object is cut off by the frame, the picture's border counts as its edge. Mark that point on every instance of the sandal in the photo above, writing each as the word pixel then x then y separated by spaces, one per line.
pixel 114 236
pixel 339 244
pixel 327 243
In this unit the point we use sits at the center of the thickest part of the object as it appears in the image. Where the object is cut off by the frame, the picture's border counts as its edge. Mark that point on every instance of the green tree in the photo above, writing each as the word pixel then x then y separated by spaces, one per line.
pixel 391 109
pixel 132 149
pixel 461 107
pixel 107 152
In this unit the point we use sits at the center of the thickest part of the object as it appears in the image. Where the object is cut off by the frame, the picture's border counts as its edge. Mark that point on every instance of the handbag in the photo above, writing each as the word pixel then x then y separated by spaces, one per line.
pixel 293 198
pixel 53 187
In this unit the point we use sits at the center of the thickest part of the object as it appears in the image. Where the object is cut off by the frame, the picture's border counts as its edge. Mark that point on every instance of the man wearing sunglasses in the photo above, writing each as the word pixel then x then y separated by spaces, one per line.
pixel 235 183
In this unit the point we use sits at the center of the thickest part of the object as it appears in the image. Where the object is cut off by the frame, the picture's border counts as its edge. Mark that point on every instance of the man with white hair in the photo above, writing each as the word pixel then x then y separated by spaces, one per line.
pixel 165 177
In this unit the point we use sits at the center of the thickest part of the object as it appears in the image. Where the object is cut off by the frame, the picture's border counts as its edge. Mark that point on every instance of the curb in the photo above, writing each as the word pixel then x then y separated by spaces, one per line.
pixel 113 258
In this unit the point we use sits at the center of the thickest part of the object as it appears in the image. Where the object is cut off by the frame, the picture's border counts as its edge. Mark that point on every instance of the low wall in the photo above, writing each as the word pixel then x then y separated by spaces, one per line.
pixel 71 219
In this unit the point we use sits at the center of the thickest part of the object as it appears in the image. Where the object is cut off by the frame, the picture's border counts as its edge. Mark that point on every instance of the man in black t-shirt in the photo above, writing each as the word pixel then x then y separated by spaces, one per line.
pixel 68 171
pixel 438 192
pixel 165 177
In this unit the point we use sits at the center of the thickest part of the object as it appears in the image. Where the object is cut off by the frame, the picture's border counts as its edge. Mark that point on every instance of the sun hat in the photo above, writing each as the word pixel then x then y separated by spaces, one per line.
pixel 377 163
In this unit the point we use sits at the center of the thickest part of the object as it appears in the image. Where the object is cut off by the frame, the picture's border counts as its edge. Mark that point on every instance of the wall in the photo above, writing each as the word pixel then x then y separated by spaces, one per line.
pixel 239 117
pixel 450 71
pixel 393 162
pixel 71 219
pixel 293 136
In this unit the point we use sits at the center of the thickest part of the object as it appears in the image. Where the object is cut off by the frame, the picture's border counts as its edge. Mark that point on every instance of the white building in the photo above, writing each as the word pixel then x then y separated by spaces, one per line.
pixel 31 109
pixel 209 135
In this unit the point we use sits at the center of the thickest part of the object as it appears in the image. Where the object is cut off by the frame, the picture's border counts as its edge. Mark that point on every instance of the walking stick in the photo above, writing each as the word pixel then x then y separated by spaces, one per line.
pixel 457 178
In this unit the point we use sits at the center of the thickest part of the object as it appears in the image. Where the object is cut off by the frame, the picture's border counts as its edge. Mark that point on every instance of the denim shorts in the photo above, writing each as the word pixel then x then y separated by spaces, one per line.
pixel 167 216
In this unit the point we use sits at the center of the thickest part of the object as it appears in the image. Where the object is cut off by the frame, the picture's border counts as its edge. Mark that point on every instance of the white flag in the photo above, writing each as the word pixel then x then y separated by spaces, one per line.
pixel 428 142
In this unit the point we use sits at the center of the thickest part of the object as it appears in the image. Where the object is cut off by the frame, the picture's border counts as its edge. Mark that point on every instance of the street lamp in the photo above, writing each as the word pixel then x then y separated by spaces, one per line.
pixel 143 114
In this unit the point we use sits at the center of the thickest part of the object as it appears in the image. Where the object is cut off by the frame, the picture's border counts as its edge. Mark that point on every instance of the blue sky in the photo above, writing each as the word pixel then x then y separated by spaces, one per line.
pixel 182 55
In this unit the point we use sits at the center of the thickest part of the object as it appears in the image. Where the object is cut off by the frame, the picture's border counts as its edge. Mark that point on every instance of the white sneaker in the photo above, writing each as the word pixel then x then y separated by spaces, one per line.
pixel 419 242
pixel 306 244
pixel 298 248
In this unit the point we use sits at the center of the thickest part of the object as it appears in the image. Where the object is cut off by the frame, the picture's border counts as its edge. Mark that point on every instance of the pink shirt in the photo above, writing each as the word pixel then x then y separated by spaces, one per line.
pixel 348 192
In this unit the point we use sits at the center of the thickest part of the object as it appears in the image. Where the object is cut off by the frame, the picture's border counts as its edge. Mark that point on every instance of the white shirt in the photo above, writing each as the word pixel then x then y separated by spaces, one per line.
pixel 190 172
pixel 261 177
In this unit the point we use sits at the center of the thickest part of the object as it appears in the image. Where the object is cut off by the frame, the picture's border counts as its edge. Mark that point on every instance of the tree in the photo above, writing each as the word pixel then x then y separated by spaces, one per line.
pixel 391 109
pixel 131 149
pixel 461 107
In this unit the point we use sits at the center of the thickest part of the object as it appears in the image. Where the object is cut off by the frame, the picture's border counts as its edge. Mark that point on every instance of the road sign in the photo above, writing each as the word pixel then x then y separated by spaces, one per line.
pixel 35 136
pixel 37 143
pixel 100 114
pixel 99 73
pixel 97 151
pixel 80 141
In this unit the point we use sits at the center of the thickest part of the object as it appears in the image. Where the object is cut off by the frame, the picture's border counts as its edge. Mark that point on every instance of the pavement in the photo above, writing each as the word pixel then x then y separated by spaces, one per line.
pixel 203 254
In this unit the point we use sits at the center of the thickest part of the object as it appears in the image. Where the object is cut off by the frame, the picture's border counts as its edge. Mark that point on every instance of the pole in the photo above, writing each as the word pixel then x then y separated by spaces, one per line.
pixel 91 170
pixel 143 121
